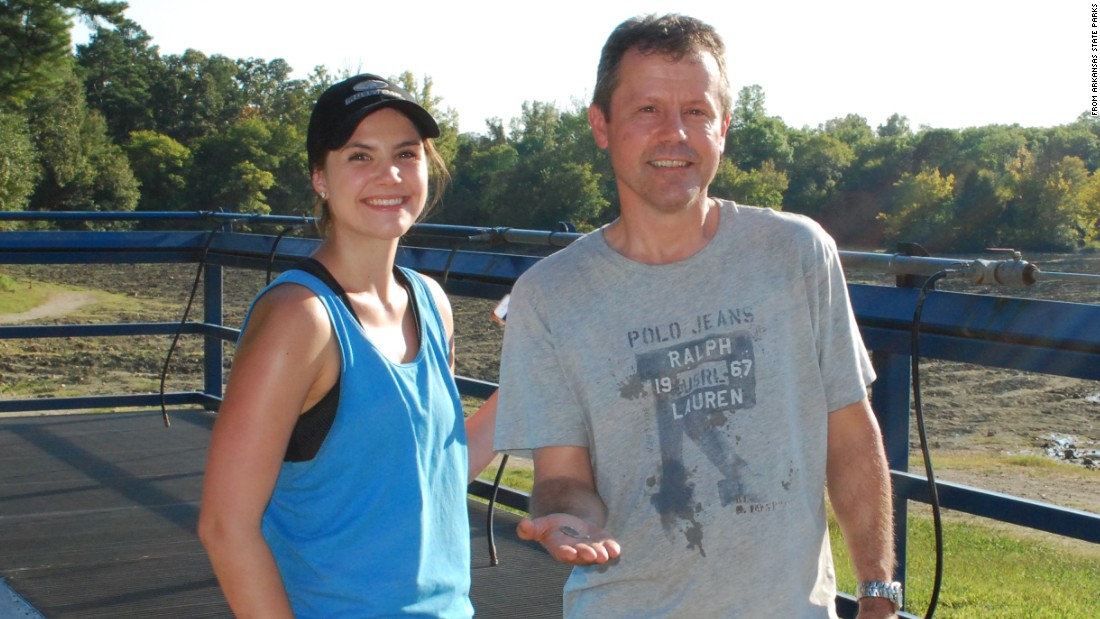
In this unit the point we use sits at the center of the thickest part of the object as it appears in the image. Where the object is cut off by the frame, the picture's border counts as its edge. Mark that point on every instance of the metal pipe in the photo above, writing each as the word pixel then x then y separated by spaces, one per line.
pixel 151 216
pixel 1012 271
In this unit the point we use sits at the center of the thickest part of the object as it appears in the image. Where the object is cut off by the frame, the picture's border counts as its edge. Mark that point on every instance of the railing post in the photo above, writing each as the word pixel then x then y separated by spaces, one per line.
pixel 212 346
pixel 890 400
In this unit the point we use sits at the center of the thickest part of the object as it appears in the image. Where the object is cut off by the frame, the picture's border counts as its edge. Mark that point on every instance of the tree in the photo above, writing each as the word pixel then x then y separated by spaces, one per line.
pixel 197 96
pixel 991 148
pixel 35 43
pixel 763 187
pixel 1046 209
pixel 936 149
pixel 1089 216
pixel 979 213
pixel 291 192
pixel 231 170
pixel 561 192
pixel 921 209
pixel 556 177
pixel 1080 139
pixel 881 162
pixel 820 163
pixel 749 106
pixel 546 170
pixel 754 137
pixel 118 65
pixel 852 129
pixel 161 166
pixel 759 141
pixel 82 168
pixel 113 186
pixel 19 170
pixel 896 126
pixel 478 181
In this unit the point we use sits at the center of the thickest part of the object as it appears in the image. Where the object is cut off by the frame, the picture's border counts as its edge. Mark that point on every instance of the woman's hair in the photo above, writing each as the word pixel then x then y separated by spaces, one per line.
pixel 437 171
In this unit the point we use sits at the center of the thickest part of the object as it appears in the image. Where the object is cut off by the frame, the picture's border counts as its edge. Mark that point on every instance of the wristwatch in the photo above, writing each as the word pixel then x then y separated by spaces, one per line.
pixel 875 589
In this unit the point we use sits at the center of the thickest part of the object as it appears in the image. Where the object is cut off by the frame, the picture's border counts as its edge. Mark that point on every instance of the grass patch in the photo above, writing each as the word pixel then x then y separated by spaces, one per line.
pixel 1033 461
pixel 518 474
pixel 989 574
pixel 18 296
pixel 992 570
pixel 58 367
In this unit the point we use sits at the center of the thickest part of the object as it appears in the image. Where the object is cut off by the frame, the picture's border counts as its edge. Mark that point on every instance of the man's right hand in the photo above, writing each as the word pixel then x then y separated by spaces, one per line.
pixel 569 539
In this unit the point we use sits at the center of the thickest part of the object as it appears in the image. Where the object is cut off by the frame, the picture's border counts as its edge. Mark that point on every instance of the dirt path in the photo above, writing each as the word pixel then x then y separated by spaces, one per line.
pixel 58 304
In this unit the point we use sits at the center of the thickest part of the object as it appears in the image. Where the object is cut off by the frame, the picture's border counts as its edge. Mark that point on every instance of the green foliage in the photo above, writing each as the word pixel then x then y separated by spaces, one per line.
pixel 820 163
pixel 82 168
pixel 19 168
pixel 1043 202
pixel 111 186
pixel 34 39
pixel 545 171
pixel 921 209
pixel 232 169
pixel 897 126
pixel 161 166
pixel 761 187
pixel 118 65
pixel 35 42
pixel 765 139
pixel 755 138
pixel 853 130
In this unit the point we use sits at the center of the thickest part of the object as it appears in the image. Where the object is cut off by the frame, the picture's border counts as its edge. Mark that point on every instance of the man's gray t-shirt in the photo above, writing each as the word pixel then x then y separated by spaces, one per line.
pixel 702 390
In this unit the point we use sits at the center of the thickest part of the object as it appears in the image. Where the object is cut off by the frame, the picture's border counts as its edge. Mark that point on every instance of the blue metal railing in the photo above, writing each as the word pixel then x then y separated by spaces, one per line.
pixel 1032 335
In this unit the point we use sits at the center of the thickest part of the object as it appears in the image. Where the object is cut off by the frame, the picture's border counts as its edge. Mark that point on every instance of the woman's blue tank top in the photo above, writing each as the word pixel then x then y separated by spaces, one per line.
pixel 375 525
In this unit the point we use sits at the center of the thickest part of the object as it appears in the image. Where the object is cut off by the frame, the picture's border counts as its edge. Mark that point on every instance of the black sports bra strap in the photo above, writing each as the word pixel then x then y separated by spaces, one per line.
pixel 313 426
pixel 318 270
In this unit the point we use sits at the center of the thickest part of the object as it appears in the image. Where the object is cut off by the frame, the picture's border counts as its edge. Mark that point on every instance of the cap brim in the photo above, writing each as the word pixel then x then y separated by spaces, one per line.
pixel 420 118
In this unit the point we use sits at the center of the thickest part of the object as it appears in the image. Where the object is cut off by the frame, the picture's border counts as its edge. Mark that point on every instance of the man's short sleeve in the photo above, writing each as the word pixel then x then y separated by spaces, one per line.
pixel 537 403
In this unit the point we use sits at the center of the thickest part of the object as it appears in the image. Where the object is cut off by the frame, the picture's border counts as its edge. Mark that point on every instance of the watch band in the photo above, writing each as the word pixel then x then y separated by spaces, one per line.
pixel 878 589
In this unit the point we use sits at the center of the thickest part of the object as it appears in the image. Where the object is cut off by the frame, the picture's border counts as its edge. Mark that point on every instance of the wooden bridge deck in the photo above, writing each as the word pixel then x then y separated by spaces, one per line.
pixel 98 513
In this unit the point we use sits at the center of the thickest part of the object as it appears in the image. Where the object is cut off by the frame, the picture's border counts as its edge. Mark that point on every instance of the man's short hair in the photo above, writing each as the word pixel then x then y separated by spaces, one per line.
pixel 675 36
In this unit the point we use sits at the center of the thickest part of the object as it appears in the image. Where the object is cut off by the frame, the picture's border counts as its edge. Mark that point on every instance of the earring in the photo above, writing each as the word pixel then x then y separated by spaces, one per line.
pixel 324 195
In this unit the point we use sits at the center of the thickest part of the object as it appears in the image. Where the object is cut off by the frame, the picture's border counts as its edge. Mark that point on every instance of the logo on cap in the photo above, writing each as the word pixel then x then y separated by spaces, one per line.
pixel 369 85
pixel 371 88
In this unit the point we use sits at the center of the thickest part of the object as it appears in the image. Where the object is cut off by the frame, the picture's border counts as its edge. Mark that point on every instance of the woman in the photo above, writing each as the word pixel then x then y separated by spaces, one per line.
pixel 336 480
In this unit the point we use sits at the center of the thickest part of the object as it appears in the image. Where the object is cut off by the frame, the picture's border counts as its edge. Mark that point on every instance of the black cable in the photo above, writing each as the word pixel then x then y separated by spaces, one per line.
pixel 182 322
pixel 934 497
pixel 450 261
pixel 493 561
pixel 274 248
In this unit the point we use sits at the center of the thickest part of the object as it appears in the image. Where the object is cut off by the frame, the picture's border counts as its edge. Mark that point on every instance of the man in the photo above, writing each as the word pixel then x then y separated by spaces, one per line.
pixel 700 319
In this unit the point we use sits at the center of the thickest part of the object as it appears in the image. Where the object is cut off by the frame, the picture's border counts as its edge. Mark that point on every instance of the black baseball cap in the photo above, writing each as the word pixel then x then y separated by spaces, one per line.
pixel 340 109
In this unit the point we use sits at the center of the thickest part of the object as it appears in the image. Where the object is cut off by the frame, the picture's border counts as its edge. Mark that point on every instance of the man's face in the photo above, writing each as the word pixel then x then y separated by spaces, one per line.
pixel 666 130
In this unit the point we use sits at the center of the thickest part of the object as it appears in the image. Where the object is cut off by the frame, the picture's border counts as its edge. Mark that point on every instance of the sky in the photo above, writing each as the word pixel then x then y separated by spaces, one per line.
pixel 944 64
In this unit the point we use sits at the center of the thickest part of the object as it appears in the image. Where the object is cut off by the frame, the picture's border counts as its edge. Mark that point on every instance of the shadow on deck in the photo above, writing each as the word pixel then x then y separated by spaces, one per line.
pixel 98 514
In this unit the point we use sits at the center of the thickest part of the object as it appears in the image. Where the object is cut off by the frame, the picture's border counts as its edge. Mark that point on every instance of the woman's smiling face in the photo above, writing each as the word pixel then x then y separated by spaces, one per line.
pixel 377 182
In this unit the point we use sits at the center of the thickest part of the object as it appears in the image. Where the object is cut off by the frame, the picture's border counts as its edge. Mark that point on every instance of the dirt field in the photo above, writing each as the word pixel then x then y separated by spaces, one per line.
pixel 969 410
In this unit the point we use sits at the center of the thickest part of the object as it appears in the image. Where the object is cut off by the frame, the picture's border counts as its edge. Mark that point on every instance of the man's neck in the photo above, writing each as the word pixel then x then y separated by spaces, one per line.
pixel 653 237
